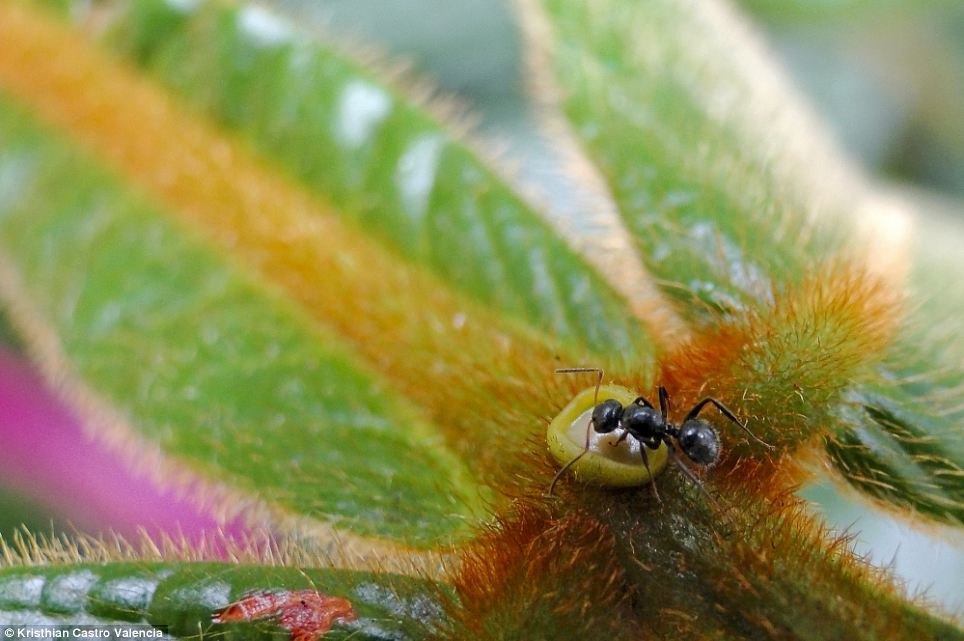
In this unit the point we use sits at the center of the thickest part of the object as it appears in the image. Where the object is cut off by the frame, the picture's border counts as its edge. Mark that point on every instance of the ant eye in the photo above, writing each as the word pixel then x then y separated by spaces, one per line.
pixel 606 463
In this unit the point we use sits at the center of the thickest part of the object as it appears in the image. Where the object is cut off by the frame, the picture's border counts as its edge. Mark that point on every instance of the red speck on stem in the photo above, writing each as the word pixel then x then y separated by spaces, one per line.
pixel 306 614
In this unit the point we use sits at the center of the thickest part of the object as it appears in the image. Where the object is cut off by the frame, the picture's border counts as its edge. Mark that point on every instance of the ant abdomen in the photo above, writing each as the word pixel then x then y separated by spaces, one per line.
pixel 700 442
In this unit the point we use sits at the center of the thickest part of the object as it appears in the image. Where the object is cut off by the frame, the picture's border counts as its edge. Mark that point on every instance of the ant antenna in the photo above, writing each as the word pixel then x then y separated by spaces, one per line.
pixel 595 401
pixel 580 370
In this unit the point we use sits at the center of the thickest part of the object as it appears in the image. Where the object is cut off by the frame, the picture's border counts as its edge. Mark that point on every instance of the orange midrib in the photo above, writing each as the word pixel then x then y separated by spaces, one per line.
pixel 398 318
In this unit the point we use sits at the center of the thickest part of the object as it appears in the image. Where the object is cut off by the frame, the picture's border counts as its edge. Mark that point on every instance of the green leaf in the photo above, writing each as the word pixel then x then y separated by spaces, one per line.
pixel 303 421
pixel 902 440
pixel 230 380
pixel 902 452
pixel 668 109
pixel 180 598
pixel 388 165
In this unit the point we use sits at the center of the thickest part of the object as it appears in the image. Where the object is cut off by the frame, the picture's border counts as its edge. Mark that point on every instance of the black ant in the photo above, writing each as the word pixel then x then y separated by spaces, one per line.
pixel 641 420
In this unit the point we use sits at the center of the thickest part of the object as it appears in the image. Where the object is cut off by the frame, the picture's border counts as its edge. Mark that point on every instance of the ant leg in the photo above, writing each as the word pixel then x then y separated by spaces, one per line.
pixel 579 370
pixel 562 470
pixel 689 474
pixel 555 479
pixel 663 402
pixel 652 479
pixel 728 414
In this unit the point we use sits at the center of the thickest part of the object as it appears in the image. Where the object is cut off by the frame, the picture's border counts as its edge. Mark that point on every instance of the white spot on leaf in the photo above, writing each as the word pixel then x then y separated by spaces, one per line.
pixel 133 592
pixel 361 108
pixel 263 27
pixel 210 596
pixel 22 591
pixel 415 175
pixel 68 591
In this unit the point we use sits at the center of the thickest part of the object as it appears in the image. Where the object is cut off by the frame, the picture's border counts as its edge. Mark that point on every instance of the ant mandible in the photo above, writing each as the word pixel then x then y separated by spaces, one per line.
pixel 651 427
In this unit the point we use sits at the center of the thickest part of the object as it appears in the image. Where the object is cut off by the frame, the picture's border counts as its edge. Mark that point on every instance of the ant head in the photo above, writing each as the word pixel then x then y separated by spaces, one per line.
pixel 606 415
pixel 699 441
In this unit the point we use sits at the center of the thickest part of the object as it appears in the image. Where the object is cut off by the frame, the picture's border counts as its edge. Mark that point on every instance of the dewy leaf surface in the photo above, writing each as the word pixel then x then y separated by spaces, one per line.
pixel 221 374
pixel 180 598
pixel 388 165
